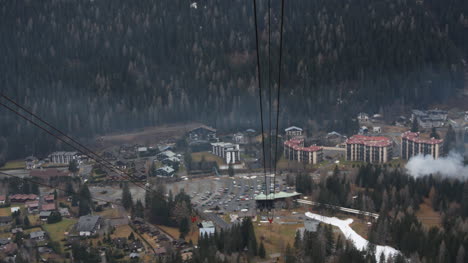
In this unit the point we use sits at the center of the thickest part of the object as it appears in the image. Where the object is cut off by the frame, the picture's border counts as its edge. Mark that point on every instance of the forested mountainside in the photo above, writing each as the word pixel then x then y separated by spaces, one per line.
pixel 92 67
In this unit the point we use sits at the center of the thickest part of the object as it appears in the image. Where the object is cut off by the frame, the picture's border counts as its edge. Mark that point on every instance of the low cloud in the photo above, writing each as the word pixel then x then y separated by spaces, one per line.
pixel 449 166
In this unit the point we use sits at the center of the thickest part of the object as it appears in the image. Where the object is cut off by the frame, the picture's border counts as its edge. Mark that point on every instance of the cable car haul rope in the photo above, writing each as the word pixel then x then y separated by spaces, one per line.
pixel 272 161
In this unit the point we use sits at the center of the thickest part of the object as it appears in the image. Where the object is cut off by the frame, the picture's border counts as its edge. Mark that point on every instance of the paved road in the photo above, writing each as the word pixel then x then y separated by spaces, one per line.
pixel 218 221
pixel 343 209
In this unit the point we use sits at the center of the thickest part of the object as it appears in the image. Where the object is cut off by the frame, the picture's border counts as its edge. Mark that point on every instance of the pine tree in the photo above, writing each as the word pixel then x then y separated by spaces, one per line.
pixel 434 133
pixel 289 255
pixel 73 166
pixel 231 169
pixel 85 203
pixel 26 222
pixel 184 227
pixel 139 210
pixel 127 200
pixel 261 250
pixel 415 125
pixel 297 240
pixel 449 141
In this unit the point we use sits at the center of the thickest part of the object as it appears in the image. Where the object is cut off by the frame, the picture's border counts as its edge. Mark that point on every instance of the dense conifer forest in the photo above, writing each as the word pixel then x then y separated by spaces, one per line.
pixel 92 67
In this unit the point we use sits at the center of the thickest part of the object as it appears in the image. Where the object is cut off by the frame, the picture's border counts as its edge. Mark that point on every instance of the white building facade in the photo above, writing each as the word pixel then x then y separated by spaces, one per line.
pixel 228 151
pixel 63 157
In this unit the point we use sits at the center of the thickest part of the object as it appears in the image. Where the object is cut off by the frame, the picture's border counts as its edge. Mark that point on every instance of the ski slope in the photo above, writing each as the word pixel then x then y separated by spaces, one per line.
pixel 350 234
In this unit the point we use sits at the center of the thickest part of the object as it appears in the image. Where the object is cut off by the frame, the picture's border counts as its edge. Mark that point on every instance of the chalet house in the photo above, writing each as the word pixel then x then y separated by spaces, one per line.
pixel 4 241
pixel 121 165
pixel 31 162
pixel 63 157
pixel 165 171
pixel 120 243
pixel 293 131
pixel 376 129
pixel 64 212
pixel 32 206
pixel 2 199
pixel 37 235
pixel 142 150
pixel 48 207
pixel 49 198
pixel 202 133
pixel 136 246
pixel 5 220
pixel 363 117
pixel 207 228
pixel 43 215
pixel 171 161
pixel 240 138
pixel 88 225
pixel 165 155
pixel 430 118
pixel 16 230
pixel 21 198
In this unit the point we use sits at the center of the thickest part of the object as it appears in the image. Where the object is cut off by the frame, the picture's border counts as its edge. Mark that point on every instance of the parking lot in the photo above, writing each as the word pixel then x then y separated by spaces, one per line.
pixel 228 194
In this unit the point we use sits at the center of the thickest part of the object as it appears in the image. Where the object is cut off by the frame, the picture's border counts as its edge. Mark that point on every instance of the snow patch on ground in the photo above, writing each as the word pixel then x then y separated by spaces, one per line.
pixel 350 234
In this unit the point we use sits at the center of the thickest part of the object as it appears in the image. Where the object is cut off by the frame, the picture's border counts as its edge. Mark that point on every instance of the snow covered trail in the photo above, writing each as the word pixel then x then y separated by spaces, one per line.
pixel 349 233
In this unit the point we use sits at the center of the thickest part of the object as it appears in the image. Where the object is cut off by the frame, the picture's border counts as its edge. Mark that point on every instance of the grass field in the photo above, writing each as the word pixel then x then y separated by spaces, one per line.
pixel 174 232
pixel 109 213
pixel 34 229
pixel 5 211
pixel 275 236
pixel 57 231
pixel 122 231
pixel 13 165
pixel 209 157
pixel 427 215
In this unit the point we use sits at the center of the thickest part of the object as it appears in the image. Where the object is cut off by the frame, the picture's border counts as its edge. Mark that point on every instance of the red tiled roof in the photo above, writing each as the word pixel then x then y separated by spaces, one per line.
pixel 414 137
pixel 23 197
pixel 48 207
pixel 32 204
pixel 375 141
pixel 2 197
pixel 49 198
pixel 296 144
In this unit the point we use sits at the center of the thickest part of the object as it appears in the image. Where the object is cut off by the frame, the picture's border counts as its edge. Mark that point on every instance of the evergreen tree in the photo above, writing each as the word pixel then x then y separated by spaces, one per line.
pixel 73 166
pixel 289 255
pixel 184 227
pixel 54 217
pixel 449 141
pixel 231 169
pixel 261 250
pixel 127 200
pixel 415 125
pixel 85 202
pixel 139 209
pixel 26 222
pixel 434 133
